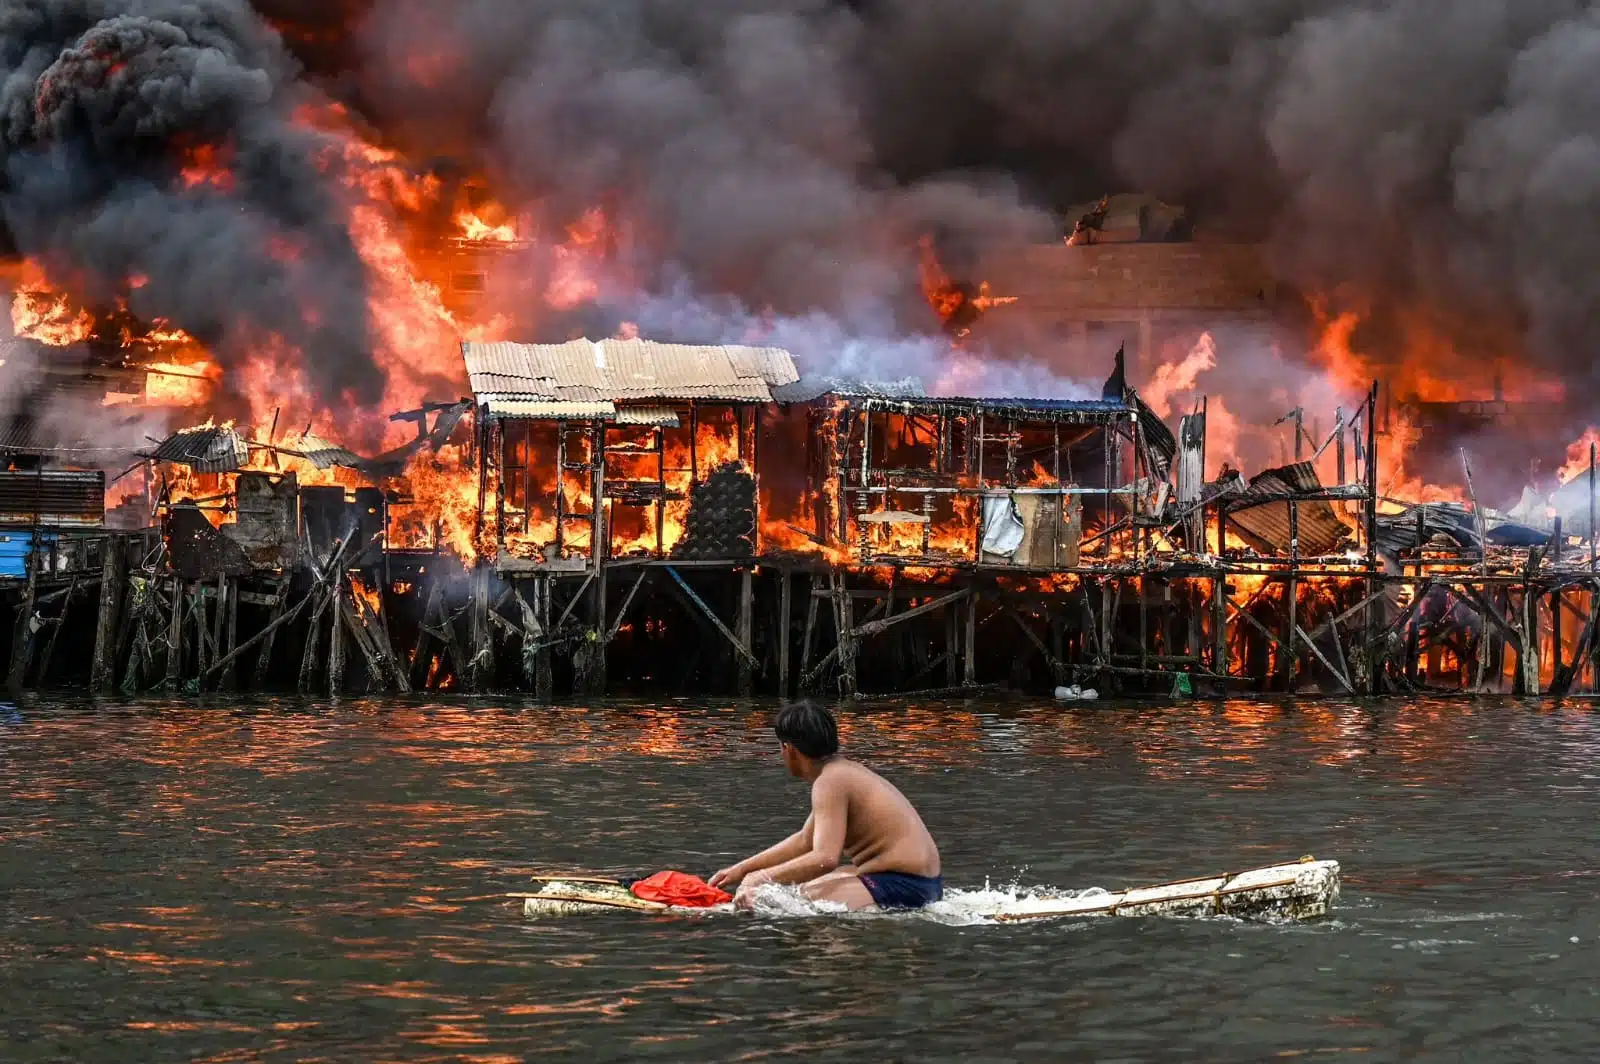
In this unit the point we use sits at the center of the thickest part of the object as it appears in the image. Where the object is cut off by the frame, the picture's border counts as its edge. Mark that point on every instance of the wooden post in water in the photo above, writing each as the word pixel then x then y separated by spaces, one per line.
pixel 847 639
pixel 785 607
pixel 746 622
pixel 1291 603
pixel 175 637
pixel 969 651
pixel 952 644
pixel 480 664
pixel 813 604
pixel 113 574
pixel 336 656
pixel 1219 623
pixel 22 630
pixel 230 633
pixel 544 678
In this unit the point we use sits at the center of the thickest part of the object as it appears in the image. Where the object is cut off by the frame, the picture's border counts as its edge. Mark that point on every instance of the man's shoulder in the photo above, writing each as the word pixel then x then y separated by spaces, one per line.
pixel 845 774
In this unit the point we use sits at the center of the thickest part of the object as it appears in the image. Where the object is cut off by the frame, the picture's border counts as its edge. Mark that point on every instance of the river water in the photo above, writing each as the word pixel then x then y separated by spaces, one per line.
pixel 292 882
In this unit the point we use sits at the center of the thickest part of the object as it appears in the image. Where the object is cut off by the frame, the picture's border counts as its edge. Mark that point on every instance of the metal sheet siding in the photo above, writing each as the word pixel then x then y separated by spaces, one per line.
pixel 53 498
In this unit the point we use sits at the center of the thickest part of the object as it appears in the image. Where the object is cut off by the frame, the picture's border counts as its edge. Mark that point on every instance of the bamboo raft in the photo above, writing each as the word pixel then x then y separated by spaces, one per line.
pixel 1303 890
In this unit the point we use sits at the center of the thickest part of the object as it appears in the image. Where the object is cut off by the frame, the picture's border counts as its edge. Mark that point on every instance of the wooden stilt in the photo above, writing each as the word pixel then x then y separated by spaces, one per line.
pixel 969 634
pixel 813 604
pixel 746 623
pixel 175 637
pixel 1528 662
pixel 544 677
pixel 422 657
pixel 22 630
pixel 310 659
pixel 480 664
pixel 1219 624
pixel 785 608
pixel 219 620
pixel 952 645
pixel 114 568
pixel 230 635
pixel 336 640
pixel 847 639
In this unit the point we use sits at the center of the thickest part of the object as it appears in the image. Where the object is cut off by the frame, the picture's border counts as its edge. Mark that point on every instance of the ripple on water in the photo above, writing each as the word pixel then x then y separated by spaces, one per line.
pixel 290 881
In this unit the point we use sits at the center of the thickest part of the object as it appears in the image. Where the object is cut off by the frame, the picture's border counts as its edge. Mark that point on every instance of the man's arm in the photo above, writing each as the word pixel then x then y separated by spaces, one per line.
pixel 786 850
pixel 830 803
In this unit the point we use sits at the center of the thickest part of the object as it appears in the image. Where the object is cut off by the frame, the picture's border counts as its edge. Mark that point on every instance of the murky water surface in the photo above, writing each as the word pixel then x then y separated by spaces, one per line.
pixel 291 883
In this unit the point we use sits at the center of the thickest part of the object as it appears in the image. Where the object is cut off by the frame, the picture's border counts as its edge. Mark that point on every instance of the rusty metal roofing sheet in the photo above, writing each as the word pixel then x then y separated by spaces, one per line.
pixel 1263 517
pixel 602 370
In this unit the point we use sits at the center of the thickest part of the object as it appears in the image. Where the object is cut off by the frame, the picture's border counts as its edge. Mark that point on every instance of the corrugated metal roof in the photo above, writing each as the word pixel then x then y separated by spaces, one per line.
pixel 655 416
pixel 1265 519
pixel 602 370
pixel 324 454
pixel 206 450
pixel 815 387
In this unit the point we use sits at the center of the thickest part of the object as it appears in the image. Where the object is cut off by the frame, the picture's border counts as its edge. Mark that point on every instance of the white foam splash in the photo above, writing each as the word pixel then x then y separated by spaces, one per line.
pixel 958 907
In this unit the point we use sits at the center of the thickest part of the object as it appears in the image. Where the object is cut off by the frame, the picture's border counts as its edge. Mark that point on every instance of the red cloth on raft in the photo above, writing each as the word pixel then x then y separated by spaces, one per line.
pixel 681 889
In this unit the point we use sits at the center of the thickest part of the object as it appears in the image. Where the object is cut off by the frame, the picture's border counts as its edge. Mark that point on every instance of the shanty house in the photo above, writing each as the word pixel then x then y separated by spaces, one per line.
pixel 887 474
pixel 614 448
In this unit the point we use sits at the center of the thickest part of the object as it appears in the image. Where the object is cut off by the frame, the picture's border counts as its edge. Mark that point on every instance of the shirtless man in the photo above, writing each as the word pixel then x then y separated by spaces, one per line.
pixel 855 814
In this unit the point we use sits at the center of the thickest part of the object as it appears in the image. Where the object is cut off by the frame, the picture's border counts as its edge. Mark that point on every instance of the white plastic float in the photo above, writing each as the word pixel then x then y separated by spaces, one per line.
pixel 1303 890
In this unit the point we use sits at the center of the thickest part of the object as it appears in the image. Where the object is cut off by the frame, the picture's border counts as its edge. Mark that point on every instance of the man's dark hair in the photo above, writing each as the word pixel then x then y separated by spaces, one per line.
pixel 809 728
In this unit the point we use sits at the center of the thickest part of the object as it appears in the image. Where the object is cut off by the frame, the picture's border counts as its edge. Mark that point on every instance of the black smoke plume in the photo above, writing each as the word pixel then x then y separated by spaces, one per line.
pixel 111 113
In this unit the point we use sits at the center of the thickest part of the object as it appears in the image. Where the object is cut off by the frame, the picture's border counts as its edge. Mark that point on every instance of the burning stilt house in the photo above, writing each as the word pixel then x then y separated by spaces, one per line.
pixel 619 448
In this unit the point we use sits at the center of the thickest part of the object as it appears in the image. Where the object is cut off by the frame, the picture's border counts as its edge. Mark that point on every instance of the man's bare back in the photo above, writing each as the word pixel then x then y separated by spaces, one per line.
pixel 883 832
pixel 863 844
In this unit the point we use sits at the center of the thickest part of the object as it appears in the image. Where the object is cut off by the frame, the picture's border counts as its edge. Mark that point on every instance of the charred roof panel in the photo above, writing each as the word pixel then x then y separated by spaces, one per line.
pixel 324 454
pixel 205 450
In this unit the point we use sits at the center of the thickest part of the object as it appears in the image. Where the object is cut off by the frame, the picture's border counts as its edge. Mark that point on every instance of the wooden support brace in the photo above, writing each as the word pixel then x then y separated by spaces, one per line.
pixel 711 616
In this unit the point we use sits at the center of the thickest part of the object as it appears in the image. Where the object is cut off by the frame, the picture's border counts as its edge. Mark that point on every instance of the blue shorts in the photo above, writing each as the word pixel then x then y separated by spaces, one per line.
pixel 897 890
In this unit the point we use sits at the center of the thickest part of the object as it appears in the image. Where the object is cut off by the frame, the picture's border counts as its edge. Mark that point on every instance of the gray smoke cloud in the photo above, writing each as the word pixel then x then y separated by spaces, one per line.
pixel 105 103
pixel 1412 158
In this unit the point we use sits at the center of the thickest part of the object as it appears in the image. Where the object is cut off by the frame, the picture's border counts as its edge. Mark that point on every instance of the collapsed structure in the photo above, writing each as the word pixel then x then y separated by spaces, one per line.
pixel 625 515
